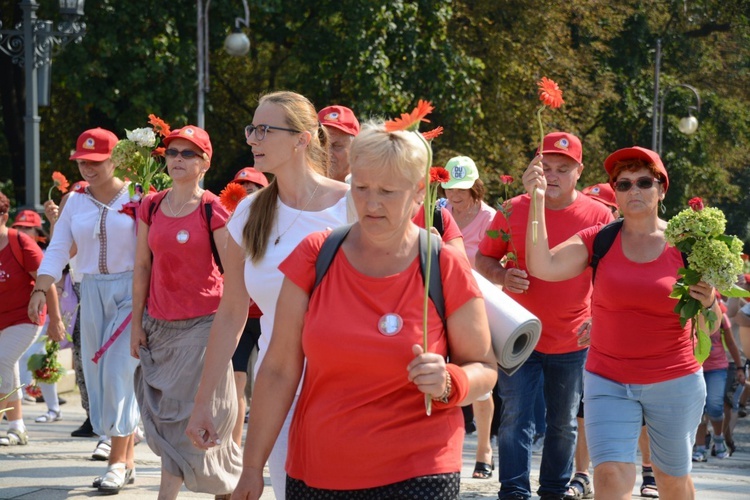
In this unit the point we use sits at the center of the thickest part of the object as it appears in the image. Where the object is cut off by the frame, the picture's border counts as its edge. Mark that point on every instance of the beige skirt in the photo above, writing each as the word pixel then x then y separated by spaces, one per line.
pixel 166 381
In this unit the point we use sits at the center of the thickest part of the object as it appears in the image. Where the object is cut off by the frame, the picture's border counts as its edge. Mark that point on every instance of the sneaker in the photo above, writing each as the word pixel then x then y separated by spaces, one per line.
pixel 85 430
pixel 50 416
pixel 537 444
pixel 719 448
pixel 700 454
pixel 101 452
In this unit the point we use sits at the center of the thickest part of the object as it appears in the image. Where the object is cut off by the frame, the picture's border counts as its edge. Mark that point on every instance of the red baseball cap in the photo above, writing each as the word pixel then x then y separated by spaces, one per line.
pixel 79 186
pixel 602 192
pixel 249 174
pixel 27 218
pixel 194 134
pixel 636 153
pixel 95 144
pixel 564 144
pixel 339 117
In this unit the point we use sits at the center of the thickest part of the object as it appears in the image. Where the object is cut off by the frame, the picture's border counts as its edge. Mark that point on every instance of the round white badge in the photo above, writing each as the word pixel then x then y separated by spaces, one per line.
pixel 182 236
pixel 390 324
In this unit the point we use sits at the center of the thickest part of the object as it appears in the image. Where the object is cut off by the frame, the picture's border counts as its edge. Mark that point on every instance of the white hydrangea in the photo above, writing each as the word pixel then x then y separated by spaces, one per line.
pixel 144 137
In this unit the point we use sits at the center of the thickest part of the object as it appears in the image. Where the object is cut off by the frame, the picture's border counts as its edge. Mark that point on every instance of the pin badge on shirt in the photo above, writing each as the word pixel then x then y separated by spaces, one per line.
pixel 182 236
pixel 390 324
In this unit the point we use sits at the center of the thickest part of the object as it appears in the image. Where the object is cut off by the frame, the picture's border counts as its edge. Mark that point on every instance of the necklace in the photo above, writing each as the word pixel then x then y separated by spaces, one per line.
pixel 169 205
pixel 278 238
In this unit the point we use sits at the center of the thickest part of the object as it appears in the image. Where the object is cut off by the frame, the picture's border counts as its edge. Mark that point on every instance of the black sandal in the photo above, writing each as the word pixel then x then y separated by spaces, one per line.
pixel 483 470
pixel 579 487
pixel 648 488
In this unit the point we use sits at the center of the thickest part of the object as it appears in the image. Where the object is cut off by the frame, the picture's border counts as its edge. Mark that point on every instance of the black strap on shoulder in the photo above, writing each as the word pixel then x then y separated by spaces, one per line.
pixel 214 250
pixel 155 202
pixel 436 283
pixel 328 251
pixel 437 220
pixel 334 240
pixel 602 243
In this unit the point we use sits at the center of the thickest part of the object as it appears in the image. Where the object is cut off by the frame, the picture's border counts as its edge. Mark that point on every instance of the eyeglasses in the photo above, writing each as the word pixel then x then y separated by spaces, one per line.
pixel 185 153
pixel 261 130
pixel 626 185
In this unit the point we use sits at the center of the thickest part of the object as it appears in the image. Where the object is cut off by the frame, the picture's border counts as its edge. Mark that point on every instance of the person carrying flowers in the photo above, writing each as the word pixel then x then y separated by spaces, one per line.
pixel 94 223
pixel 641 363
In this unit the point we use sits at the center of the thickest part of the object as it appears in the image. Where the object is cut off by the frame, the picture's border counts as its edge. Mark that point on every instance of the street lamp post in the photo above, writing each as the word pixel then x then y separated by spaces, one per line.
pixel 236 44
pixel 687 125
pixel 29 45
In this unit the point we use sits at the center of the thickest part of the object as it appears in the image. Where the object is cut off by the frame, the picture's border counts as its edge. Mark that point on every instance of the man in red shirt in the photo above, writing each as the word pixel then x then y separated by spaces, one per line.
pixel 556 365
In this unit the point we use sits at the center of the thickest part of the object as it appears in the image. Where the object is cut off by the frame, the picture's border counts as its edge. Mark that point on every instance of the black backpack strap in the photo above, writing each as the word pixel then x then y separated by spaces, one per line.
pixel 602 243
pixel 215 251
pixel 436 283
pixel 155 202
pixel 328 251
pixel 437 220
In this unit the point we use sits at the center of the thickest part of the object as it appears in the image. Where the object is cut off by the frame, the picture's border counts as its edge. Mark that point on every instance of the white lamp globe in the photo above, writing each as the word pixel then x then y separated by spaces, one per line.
pixel 237 44
pixel 688 125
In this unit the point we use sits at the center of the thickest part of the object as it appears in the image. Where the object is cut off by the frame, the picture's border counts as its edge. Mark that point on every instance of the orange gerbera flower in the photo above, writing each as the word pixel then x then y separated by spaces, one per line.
pixel 60 181
pixel 431 134
pixel 160 126
pixel 158 152
pixel 549 93
pixel 410 121
pixel 231 196
pixel 439 174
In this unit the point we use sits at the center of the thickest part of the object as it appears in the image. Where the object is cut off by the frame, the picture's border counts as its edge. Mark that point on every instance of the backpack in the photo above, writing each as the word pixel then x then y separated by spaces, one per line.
pixel 16 247
pixel 334 240
pixel 159 197
pixel 603 242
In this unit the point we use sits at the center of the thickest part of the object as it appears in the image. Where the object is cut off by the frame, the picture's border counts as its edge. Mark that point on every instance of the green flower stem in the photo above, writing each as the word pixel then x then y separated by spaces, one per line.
pixel 534 199
pixel 429 210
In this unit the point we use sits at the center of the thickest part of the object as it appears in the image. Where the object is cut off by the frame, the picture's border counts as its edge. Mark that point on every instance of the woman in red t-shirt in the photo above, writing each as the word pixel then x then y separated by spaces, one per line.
pixel 360 335
pixel 177 279
pixel 19 261
pixel 640 364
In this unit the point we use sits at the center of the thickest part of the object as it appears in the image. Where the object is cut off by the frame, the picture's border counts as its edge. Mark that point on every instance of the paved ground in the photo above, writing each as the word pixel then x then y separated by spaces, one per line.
pixel 54 466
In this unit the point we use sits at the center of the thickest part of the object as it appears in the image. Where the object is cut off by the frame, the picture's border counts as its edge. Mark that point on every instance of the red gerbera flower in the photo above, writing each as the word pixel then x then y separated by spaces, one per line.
pixel 158 152
pixel 431 134
pixel 549 93
pixel 60 181
pixel 410 121
pixel 231 196
pixel 506 179
pixel 439 174
pixel 696 204
pixel 160 126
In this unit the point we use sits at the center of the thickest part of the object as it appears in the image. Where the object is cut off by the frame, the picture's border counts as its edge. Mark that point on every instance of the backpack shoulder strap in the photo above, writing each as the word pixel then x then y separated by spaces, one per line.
pixel 328 251
pixel 436 283
pixel 602 243
pixel 155 202
pixel 214 250
pixel 437 220
pixel 16 247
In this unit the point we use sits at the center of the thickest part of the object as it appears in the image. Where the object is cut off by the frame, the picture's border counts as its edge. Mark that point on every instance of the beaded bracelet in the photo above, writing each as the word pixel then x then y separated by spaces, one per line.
pixel 38 290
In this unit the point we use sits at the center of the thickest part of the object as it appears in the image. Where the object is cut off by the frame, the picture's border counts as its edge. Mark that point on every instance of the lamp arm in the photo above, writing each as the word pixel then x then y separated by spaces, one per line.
pixel 238 21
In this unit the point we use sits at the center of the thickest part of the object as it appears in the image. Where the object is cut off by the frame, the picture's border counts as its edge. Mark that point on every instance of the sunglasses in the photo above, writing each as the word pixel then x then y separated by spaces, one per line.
pixel 261 130
pixel 626 185
pixel 185 153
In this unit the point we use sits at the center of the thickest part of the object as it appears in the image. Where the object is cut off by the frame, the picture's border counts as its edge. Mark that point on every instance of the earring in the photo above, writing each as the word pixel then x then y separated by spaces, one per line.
pixel 662 208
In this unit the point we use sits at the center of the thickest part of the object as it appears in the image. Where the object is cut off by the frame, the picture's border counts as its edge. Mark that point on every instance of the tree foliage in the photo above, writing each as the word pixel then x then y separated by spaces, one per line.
pixel 477 61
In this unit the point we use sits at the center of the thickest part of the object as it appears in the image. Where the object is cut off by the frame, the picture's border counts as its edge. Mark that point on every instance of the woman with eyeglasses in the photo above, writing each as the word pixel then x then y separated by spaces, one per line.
pixel 177 286
pixel 94 224
pixel 640 363
pixel 288 142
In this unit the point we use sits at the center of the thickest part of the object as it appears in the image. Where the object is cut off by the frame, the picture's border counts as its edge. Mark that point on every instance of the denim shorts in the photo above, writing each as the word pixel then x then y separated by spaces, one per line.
pixel 716 381
pixel 672 411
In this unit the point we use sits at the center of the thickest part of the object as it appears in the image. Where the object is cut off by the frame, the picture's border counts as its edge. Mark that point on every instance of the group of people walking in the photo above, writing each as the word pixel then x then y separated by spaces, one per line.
pixel 331 254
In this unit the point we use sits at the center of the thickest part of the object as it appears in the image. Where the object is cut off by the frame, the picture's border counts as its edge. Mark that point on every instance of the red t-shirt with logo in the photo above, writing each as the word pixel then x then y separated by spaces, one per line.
pixel 16 283
pixel 563 305
pixel 185 282
pixel 636 337
pixel 356 398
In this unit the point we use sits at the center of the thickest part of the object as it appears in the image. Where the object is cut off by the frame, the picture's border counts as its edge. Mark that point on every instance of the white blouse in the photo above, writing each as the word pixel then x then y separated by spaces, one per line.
pixel 105 238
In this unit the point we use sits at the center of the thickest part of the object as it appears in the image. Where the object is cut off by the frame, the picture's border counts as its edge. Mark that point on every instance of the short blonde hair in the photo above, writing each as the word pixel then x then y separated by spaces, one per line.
pixel 400 152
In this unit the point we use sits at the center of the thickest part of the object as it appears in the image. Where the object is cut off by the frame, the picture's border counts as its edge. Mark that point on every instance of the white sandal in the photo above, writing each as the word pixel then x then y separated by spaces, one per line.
pixel 14 437
pixel 114 479
pixel 50 416
pixel 130 478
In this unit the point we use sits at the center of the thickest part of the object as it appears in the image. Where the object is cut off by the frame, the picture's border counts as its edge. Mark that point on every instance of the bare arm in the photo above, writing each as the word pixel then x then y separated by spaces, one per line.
pixel 568 259
pixel 275 387
pixel 141 285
